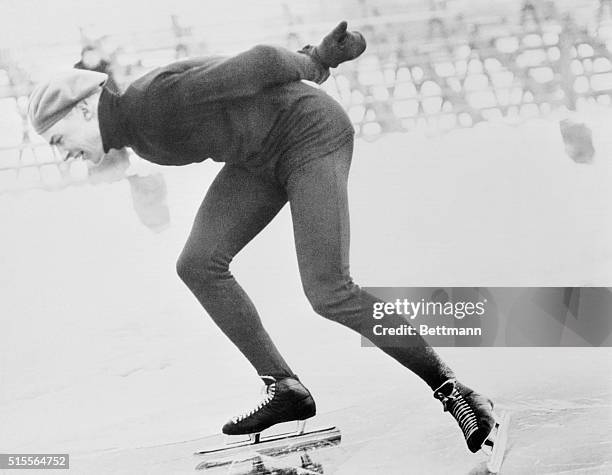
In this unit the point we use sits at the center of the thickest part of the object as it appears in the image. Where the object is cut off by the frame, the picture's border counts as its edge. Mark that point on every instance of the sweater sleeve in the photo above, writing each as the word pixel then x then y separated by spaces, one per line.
pixel 248 73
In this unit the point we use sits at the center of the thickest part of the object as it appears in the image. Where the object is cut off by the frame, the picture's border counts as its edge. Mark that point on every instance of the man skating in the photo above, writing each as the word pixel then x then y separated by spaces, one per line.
pixel 281 141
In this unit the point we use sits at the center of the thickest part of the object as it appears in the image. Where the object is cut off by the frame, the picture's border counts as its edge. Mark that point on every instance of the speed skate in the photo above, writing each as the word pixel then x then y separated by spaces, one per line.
pixel 268 447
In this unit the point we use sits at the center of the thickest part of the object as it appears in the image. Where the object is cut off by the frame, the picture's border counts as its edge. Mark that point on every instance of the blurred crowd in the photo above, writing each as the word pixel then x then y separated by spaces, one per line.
pixel 437 68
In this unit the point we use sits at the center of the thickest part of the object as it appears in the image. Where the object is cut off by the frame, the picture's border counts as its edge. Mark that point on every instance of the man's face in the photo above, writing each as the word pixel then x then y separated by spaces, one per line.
pixel 77 134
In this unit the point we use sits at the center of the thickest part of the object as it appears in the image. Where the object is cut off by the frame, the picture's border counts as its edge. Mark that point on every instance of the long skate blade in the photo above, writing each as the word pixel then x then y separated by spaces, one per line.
pixel 273 446
pixel 499 444
pixel 278 430
pixel 263 440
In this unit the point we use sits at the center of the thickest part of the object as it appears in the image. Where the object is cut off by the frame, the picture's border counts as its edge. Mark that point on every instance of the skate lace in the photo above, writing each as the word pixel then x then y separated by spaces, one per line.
pixel 269 392
pixel 456 404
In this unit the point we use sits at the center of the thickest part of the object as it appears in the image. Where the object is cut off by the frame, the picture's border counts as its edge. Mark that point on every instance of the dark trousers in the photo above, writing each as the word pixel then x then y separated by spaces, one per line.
pixel 238 205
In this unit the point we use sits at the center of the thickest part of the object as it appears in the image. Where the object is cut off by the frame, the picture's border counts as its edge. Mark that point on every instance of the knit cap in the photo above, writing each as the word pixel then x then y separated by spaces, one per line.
pixel 51 100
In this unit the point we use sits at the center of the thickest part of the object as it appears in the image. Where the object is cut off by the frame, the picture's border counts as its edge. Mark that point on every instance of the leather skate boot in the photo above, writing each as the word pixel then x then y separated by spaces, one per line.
pixel 472 411
pixel 285 400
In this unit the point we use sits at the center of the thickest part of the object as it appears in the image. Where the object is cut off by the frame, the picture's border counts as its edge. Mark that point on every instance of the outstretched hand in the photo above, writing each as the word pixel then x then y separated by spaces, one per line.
pixel 339 46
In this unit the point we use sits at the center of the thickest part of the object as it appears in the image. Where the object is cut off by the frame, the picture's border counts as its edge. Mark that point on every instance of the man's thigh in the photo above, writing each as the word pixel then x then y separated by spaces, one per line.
pixel 320 213
pixel 237 206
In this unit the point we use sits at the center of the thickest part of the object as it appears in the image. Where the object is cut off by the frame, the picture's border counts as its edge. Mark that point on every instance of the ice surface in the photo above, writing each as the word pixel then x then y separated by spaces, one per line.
pixel 102 347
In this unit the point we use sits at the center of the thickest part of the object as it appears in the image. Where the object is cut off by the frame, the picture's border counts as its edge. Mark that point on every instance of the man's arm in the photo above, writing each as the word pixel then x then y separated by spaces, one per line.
pixel 265 66
pixel 249 72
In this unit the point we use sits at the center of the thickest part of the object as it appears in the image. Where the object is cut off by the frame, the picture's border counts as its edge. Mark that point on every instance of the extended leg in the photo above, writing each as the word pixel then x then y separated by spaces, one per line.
pixel 319 206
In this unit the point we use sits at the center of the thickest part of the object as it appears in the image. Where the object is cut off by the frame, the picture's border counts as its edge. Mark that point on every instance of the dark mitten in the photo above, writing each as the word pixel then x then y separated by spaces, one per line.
pixel 339 46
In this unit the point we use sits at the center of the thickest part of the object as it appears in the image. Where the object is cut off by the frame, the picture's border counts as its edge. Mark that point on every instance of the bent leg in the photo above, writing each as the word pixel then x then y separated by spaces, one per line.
pixel 319 207
pixel 237 206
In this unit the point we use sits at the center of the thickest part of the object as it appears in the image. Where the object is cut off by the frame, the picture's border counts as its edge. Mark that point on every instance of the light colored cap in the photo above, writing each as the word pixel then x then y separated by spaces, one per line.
pixel 51 100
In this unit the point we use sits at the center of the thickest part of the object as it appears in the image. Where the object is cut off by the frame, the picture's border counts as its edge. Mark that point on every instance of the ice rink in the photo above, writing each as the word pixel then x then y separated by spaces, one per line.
pixel 104 350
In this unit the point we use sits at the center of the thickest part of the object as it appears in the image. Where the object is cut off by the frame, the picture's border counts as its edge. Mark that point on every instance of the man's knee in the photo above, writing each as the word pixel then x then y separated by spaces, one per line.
pixel 338 301
pixel 200 270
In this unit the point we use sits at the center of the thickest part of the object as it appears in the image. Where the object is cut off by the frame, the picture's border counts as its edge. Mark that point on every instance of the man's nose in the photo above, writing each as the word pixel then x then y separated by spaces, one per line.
pixel 58 151
pixel 61 152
